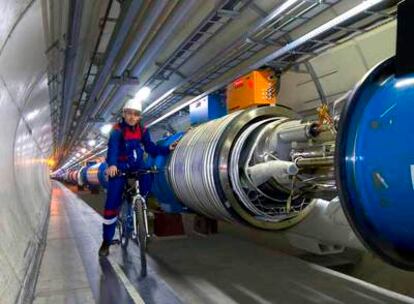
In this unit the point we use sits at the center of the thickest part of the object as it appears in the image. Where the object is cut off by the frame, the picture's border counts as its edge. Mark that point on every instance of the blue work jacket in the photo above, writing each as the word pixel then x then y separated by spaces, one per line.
pixel 125 146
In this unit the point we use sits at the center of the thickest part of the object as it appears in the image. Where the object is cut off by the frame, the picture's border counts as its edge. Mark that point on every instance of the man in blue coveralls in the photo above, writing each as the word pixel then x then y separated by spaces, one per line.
pixel 125 153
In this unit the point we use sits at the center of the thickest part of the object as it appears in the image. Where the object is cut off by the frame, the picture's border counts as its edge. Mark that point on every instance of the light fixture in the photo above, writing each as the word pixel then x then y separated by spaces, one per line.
pixel 32 114
pixel 358 9
pixel 84 150
pixel 96 154
pixel 78 154
pixel 175 110
pixel 160 99
pixel 91 142
pixel 142 94
pixel 105 129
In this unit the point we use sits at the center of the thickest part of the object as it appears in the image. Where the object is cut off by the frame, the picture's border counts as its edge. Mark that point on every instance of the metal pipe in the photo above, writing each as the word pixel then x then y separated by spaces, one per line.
pixel 70 62
pixel 311 154
pixel 262 172
pixel 279 53
pixel 300 133
pixel 180 14
pixel 258 25
pixel 119 94
pixel 239 44
pixel 315 162
pixel 121 34
pixel 140 35
pixel 316 32
pixel 104 97
pixel 105 18
pixel 162 37
pixel 234 44
pixel 98 41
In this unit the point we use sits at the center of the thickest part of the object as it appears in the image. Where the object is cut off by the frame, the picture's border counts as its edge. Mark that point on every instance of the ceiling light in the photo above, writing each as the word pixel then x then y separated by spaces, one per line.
pixel 91 142
pixel 84 150
pixel 32 114
pixel 105 129
pixel 142 94
pixel 160 99
pixel 358 9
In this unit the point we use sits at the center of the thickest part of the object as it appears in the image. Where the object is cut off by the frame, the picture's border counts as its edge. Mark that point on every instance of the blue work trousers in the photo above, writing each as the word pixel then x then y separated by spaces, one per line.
pixel 116 186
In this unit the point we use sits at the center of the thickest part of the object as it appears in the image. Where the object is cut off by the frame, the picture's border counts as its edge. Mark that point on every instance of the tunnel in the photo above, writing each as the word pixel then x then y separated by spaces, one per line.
pixel 308 180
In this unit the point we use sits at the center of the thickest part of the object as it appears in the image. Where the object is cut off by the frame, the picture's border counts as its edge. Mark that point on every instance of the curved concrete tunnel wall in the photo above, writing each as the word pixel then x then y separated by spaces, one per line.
pixel 25 144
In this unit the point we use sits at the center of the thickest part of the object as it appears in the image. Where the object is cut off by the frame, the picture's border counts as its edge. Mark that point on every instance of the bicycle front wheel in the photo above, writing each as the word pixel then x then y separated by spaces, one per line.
pixel 142 237
pixel 124 224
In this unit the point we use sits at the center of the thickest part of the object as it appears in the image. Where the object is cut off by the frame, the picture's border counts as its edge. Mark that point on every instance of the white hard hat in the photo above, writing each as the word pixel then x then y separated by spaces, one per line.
pixel 133 104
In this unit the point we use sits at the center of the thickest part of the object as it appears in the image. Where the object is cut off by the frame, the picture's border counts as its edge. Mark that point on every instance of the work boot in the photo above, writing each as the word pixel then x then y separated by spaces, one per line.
pixel 104 250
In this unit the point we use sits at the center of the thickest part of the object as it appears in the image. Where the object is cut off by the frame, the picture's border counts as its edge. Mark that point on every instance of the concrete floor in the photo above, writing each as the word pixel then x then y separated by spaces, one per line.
pixel 361 265
pixel 71 271
pixel 217 269
pixel 221 269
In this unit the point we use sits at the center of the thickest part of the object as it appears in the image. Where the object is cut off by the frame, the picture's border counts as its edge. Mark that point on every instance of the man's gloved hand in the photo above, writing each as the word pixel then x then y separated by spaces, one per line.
pixel 111 171
pixel 173 145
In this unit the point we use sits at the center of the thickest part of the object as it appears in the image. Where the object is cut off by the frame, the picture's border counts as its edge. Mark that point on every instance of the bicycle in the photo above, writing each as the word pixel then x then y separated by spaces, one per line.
pixel 132 221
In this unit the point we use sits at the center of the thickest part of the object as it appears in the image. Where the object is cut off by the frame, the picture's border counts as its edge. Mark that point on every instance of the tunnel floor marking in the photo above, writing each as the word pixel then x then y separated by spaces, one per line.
pixel 369 286
pixel 133 293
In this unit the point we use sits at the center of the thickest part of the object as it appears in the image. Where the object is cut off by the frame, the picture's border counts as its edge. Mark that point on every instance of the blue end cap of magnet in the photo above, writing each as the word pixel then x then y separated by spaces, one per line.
pixel 375 163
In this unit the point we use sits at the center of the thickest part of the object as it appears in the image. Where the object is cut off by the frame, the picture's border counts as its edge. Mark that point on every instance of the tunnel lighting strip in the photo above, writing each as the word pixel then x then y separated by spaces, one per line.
pixel 157 101
pixel 96 154
pixel 278 12
pixel 320 30
pixel 280 52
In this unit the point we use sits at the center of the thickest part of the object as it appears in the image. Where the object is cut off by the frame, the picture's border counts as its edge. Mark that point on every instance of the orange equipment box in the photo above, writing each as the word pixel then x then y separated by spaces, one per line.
pixel 253 89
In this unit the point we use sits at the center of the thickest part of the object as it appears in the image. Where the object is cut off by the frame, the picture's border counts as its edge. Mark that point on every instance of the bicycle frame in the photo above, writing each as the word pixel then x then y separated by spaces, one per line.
pixel 140 228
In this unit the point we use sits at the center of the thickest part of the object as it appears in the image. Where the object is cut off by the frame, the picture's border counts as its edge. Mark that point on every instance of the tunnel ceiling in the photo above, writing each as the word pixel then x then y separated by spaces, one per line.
pixel 101 52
